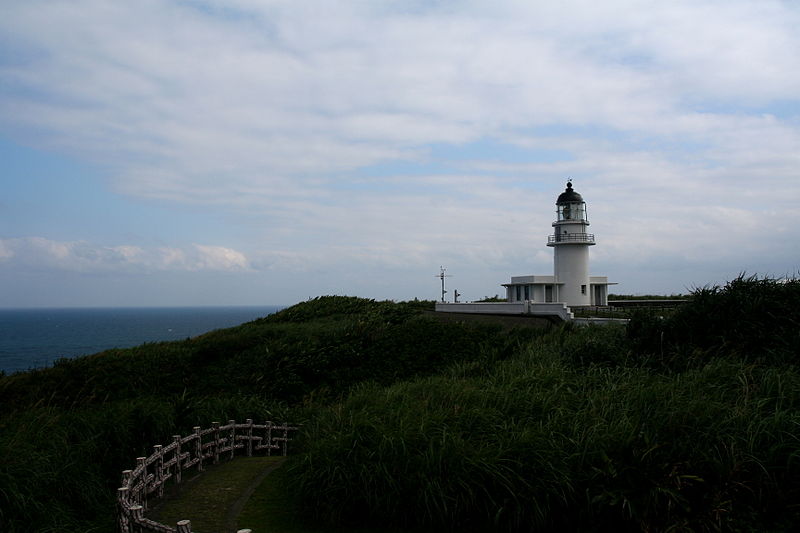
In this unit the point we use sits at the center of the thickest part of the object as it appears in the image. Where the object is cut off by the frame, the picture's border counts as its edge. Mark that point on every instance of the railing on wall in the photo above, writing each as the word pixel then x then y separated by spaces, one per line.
pixel 146 482
pixel 613 310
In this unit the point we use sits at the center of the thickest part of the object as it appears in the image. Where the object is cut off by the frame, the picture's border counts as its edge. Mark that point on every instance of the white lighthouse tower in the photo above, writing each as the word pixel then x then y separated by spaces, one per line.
pixel 571 243
pixel 570 283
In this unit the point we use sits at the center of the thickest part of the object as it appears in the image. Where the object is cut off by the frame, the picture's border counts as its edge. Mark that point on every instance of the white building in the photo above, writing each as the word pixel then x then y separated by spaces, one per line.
pixel 570 283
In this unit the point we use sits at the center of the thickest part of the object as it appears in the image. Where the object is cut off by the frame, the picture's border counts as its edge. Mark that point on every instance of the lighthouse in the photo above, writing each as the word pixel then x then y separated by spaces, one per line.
pixel 570 283
pixel 571 243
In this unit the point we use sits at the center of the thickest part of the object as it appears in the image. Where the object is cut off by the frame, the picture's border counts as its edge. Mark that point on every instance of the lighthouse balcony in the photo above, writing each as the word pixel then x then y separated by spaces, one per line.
pixel 570 238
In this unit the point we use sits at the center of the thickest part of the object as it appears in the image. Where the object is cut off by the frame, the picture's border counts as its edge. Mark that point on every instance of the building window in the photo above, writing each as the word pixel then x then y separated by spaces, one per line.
pixel 583 289
pixel 527 292
pixel 519 293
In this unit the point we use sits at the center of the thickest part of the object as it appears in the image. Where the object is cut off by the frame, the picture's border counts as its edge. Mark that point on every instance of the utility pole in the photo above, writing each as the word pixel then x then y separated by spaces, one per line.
pixel 441 276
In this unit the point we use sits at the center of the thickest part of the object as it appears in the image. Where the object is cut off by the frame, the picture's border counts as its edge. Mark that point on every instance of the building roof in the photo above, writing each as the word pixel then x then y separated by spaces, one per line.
pixel 569 196
pixel 515 283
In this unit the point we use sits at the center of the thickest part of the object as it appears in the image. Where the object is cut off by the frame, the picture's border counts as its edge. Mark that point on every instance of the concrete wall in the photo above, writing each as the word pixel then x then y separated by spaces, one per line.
pixel 538 293
pixel 556 309
pixel 533 279
pixel 495 308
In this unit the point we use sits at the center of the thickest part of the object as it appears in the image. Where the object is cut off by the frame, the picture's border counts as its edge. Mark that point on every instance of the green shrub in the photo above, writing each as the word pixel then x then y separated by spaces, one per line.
pixel 748 317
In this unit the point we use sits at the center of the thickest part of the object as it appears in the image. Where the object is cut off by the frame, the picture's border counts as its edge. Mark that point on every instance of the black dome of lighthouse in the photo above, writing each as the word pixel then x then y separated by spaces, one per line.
pixel 569 196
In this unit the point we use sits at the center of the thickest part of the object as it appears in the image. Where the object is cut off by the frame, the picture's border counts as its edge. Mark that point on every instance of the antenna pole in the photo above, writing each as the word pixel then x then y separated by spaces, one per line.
pixel 441 276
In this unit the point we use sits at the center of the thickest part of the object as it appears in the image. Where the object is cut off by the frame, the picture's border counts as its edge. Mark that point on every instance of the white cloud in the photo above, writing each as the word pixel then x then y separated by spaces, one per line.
pixel 293 90
pixel 6 252
pixel 678 120
pixel 38 253
pixel 220 258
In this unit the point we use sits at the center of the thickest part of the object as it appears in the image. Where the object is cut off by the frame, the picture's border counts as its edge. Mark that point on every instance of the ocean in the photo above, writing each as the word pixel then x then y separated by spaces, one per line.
pixel 34 338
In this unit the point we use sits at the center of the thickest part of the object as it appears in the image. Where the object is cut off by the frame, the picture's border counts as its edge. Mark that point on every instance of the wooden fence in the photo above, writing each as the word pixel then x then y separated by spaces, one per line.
pixel 146 482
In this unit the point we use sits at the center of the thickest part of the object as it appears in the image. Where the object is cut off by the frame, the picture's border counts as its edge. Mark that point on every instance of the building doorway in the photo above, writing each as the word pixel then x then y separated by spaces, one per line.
pixel 599 295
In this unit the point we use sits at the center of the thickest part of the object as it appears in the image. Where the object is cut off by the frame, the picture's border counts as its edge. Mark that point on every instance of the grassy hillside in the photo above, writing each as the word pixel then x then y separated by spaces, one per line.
pixel 67 432
pixel 685 422
pixel 689 422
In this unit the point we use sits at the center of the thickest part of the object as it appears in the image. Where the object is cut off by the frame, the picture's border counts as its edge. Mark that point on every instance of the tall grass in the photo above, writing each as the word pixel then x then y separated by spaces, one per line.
pixel 684 422
pixel 539 444
pixel 751 317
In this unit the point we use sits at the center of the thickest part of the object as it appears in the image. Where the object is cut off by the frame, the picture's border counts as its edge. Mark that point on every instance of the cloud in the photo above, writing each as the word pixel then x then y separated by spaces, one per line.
pixel 324 125
pixel 220 258
pixel 6 252
pixel 38 253
pixel 177 96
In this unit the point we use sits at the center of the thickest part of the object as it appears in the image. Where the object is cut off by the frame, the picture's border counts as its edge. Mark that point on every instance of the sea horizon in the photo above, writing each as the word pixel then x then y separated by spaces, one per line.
pixel 35 337
pixel 87 307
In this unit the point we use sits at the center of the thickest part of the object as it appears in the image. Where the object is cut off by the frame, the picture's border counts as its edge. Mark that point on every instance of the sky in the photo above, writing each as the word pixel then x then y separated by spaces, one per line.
pixel 260 152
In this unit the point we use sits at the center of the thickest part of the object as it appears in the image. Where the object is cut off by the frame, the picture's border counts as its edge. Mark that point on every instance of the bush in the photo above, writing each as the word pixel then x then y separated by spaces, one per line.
pixel 748 317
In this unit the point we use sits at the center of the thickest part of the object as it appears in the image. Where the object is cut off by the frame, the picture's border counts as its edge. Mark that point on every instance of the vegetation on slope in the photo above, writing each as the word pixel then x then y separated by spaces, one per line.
pixel 68 431
pixel 755 319
pixel 688 421
pixel 536 443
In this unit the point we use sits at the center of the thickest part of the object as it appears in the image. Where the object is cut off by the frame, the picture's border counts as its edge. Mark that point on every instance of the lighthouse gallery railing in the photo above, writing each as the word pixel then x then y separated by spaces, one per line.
pixel 571 237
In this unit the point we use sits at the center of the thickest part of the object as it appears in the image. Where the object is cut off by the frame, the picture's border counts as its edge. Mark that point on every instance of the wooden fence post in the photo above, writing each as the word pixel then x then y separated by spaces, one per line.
pixel 285 438
pixel 137 514
pixel 198 448
pixel 122 512
pixel 232 436
pixel 141 496
pixel 215 426
pixel 269 437
pixel 249 422
pixel 176 439
pixel 158 479
pixel 184 526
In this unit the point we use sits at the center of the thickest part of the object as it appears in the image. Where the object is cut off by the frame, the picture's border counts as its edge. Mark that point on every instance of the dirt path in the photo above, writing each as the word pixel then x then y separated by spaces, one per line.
pixel 236 508
pixel 214 499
